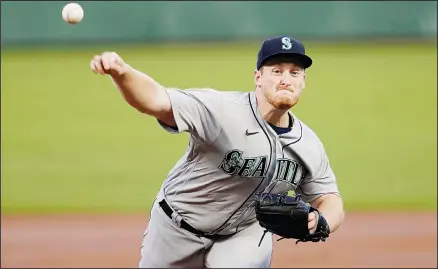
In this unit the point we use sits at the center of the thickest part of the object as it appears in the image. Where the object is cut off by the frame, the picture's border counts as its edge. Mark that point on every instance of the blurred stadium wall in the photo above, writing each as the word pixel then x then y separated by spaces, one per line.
pixel 31 23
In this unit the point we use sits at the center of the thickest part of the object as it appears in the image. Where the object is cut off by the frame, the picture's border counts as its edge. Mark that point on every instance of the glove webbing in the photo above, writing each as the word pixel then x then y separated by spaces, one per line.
pixel 313 239
pixel 263 236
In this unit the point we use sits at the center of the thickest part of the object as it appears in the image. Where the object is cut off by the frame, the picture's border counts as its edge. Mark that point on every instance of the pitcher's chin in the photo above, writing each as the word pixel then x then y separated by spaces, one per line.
pixel 284 102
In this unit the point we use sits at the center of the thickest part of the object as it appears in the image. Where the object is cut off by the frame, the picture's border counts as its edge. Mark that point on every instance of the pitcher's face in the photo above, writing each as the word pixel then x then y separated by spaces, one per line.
pixel 281 83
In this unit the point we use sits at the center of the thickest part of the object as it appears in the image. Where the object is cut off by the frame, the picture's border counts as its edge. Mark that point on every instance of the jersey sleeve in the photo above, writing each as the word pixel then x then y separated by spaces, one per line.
pixel 322 182
pixel 196 111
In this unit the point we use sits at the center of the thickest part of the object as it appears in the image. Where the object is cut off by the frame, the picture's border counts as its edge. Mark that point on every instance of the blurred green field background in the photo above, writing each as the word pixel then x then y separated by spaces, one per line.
pixel 69 142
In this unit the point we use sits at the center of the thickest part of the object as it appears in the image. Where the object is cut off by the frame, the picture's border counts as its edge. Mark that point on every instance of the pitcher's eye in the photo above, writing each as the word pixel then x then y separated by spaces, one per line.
pixel 295 73
pixel 276 71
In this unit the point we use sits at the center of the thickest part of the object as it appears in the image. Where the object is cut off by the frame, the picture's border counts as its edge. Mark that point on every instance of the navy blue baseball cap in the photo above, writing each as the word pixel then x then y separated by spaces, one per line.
pixel 284 46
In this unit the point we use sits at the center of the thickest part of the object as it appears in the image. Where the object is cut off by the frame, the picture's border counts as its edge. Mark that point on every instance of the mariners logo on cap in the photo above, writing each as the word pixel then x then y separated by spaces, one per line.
pixel 287 44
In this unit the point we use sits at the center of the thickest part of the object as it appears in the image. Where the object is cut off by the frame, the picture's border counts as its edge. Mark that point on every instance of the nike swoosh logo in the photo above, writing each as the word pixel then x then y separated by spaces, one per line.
pixel 251 133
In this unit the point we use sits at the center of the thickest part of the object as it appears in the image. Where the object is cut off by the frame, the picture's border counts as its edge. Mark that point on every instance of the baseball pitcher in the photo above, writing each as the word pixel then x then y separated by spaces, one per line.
pixel 227 196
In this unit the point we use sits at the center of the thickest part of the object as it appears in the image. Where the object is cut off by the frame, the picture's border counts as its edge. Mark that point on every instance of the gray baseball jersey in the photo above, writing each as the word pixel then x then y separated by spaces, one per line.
pixel 233 155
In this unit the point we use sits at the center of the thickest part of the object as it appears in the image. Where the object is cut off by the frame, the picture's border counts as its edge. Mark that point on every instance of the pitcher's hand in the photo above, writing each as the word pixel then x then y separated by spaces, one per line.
pixel 313 221
pixel 108 63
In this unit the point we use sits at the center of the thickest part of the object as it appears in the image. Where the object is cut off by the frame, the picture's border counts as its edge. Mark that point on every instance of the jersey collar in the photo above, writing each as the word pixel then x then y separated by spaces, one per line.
pixel 292 137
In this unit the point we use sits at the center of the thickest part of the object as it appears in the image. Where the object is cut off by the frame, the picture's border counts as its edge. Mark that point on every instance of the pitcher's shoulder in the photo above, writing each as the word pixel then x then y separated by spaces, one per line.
pixel 236 97
pixel 214 97
pixel 228 96
pixel 224 94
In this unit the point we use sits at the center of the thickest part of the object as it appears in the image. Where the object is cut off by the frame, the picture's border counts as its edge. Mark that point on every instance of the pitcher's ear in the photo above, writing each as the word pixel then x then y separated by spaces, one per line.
pixel 304 81
pixel 257 76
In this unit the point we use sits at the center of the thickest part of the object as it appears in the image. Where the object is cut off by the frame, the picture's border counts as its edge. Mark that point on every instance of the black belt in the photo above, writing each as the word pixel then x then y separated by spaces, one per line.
pixel 166 208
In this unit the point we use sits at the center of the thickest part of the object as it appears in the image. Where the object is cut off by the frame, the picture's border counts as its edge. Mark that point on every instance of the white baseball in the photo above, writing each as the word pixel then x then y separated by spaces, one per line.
pixel 72 13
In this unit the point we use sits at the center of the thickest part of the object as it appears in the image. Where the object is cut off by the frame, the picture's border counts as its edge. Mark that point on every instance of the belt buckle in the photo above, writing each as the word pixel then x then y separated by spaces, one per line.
pixel 176 218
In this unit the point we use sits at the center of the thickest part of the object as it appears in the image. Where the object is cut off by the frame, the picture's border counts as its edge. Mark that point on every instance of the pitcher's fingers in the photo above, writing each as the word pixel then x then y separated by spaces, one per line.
pixel 97 62
pixel 110 62
pixel 99 68
pixel 312 216
pixel 93 67
pixel 311 225
pixel 106 62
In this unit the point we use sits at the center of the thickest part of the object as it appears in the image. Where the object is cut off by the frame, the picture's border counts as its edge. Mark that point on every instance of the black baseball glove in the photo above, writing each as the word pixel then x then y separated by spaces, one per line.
pixel 287 217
